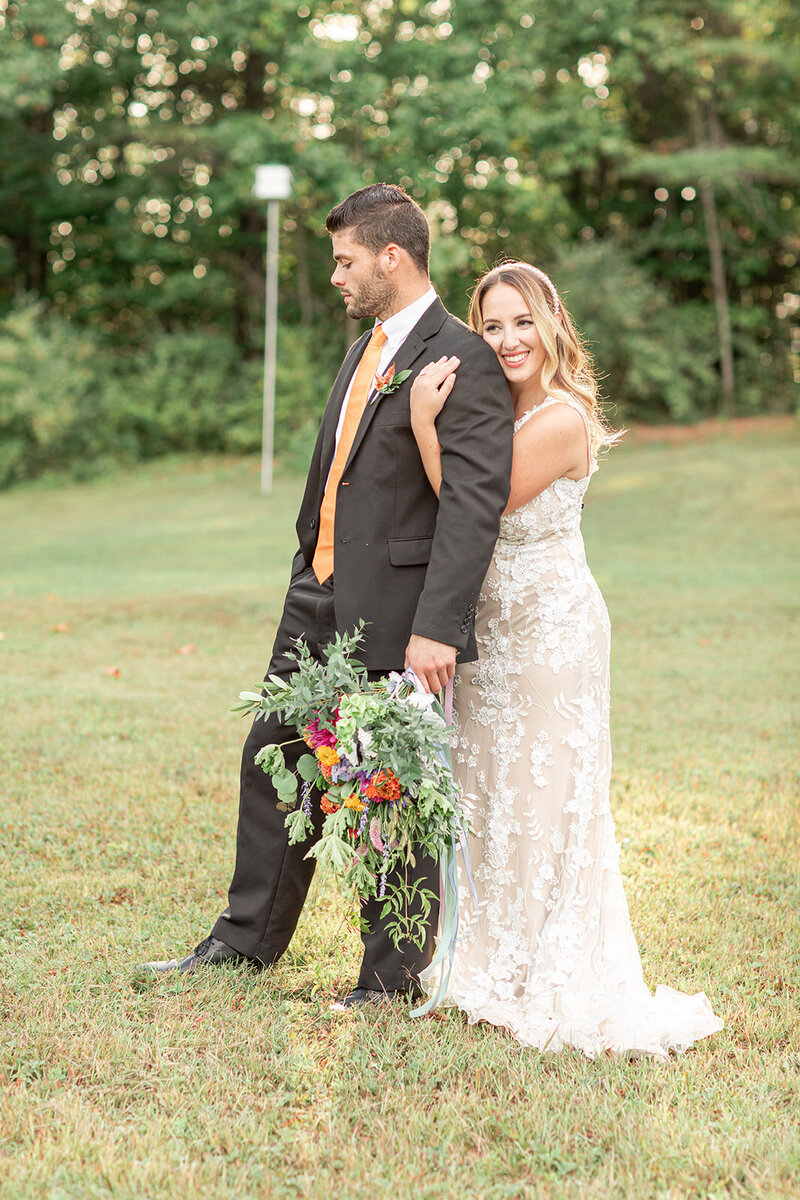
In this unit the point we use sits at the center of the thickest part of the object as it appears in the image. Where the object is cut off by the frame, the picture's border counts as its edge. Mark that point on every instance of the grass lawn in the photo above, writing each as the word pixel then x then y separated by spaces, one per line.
pixel 133 611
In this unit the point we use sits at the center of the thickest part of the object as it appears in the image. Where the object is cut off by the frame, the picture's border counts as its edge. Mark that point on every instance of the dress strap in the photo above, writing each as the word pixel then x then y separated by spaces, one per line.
pixel 526 416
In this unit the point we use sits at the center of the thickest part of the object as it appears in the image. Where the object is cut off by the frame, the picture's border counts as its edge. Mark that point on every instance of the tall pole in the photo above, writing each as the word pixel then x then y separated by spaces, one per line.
pixel 270 345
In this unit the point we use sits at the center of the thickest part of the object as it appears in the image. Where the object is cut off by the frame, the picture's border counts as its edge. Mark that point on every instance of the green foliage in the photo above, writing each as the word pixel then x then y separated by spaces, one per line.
pixel 655 357
pixel 333 853
pixel 269 758
pixel 312 685
pixel 183 391
pixel 305 369
pixel 377 730
pixel 69 402
pixel 299 826
pixel 118 843
pixel 129 134
pixel 48 394
pixel 406 913
pixel 307 768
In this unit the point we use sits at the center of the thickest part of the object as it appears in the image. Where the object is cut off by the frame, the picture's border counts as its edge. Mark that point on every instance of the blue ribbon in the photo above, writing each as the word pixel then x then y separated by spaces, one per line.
pixel 448 910
pixel 448 929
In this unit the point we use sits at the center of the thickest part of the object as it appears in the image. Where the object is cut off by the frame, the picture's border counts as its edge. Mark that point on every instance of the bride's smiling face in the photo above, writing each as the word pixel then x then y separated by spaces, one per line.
pixel 509 329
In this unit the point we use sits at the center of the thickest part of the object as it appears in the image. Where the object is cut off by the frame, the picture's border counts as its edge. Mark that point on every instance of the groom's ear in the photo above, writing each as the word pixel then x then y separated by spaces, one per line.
pixel 394 257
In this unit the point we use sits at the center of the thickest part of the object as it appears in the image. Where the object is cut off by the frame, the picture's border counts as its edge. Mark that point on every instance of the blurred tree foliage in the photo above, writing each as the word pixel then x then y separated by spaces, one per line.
pixel 643 151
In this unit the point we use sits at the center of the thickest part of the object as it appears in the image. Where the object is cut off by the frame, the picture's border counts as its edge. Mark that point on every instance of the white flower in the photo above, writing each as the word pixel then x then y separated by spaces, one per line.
pixel 396 679
pixel 365 739
pixel 420 700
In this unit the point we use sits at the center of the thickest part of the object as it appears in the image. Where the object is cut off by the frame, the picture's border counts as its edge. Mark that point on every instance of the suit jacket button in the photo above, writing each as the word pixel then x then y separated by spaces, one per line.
pixel 312 524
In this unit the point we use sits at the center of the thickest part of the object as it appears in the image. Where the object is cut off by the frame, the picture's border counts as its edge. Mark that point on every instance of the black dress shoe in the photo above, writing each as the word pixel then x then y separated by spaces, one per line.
pixel 364 997
pixel 210 953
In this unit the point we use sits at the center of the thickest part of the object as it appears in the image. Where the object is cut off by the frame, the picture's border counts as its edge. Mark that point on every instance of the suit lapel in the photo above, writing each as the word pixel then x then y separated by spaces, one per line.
pixel 428 325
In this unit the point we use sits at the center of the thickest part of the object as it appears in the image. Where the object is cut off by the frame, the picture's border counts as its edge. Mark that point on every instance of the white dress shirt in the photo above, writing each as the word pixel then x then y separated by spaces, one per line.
pixel 397 328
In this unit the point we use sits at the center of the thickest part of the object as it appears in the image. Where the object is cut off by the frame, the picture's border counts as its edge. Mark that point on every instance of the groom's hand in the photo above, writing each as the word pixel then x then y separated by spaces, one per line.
pixel 433 662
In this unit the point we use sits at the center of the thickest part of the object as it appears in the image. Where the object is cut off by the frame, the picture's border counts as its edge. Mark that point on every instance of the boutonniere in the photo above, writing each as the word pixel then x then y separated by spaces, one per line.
pixel 388 382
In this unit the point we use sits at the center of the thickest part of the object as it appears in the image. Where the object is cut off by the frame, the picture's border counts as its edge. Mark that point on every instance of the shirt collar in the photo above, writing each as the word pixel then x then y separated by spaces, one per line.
pixel 399 326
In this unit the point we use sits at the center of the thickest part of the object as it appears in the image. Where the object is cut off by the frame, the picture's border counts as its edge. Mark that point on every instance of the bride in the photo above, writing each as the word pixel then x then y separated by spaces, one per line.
pixel 550 954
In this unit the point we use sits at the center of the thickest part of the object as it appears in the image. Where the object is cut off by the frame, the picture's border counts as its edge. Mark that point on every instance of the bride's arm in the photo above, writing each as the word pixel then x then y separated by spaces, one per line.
pixel 551 445
pixel 429 391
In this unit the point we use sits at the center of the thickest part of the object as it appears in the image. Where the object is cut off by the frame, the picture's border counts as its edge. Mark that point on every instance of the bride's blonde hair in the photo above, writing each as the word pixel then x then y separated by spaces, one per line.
pixel 567 372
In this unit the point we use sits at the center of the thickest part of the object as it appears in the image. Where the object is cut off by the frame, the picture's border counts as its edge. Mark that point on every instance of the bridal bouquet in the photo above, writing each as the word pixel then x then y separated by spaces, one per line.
pixel 379 761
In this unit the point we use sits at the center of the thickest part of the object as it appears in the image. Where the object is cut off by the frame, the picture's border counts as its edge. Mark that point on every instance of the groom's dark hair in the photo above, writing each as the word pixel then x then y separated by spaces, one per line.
pixel 380 214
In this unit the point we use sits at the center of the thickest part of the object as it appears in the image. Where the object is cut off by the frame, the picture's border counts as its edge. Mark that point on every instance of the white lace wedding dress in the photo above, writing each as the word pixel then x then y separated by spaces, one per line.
pixel 551 956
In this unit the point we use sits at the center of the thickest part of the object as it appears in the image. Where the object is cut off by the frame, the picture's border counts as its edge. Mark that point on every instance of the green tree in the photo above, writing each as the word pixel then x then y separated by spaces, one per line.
pixel 650 140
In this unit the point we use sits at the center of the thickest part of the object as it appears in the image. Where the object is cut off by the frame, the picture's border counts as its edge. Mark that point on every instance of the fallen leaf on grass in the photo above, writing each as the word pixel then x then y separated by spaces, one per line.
pixel 187 649
pixel 62 627
pixel 115 671
pixel 2 637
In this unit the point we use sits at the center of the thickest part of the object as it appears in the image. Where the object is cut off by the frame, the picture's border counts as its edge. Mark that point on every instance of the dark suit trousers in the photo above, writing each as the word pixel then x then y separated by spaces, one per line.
pixel 271 878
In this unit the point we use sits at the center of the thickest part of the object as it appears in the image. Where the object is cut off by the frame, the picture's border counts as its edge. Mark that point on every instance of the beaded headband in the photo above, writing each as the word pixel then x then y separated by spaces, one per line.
pixel 546 280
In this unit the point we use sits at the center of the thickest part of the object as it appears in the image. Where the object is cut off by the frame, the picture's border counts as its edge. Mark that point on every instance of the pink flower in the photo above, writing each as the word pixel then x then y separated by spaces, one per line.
pixel 375 835
pixel 316 737
pixel 359 854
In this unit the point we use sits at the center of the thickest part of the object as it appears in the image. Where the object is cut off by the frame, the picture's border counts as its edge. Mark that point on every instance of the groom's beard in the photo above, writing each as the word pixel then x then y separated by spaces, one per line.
pixel 373 298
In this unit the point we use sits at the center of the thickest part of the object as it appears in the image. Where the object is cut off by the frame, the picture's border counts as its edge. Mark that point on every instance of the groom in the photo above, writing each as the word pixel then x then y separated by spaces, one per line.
pixel 377 546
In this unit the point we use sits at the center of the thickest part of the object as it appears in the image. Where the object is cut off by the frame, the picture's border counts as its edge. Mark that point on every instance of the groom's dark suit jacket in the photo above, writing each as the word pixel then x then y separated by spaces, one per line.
pixel 403 561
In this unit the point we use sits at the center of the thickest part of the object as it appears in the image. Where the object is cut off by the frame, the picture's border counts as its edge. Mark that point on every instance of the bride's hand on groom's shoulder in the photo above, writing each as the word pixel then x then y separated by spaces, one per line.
pixel 430 389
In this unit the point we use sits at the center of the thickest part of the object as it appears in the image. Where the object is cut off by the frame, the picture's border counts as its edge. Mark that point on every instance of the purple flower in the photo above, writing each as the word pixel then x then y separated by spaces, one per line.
pixel 382 885
pixel 343 771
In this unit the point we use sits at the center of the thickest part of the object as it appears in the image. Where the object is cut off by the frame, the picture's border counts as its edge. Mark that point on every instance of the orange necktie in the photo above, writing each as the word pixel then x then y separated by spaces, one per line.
pixel 323 555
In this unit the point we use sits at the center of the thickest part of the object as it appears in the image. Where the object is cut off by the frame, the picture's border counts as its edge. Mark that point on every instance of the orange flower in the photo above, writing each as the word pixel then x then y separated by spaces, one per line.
pixel 384 785
pixel 327 756
pixel 387 377
pixel 328 806
pixel 390 381
pixel 355 803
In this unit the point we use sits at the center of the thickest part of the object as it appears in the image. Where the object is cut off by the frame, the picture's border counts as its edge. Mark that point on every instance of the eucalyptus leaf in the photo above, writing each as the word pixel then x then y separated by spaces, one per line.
pixel 285 784
pixel 308 768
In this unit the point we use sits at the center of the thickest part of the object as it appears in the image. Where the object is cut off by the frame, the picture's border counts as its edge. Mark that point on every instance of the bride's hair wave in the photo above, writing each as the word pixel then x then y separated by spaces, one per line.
pixel 568 371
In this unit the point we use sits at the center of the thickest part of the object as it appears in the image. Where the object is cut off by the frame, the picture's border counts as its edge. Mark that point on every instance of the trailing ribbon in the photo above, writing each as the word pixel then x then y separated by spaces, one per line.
pixel 448 869
pixel 448 702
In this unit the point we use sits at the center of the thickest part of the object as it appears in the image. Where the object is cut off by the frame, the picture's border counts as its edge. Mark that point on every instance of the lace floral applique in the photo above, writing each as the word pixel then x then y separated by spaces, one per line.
pixel 551 955
pixel 541 757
